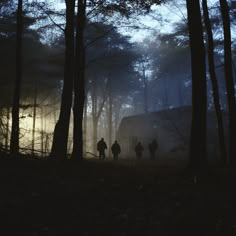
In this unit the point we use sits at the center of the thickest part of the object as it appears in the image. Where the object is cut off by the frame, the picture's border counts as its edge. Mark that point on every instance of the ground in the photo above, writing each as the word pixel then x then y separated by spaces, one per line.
pixel 114 198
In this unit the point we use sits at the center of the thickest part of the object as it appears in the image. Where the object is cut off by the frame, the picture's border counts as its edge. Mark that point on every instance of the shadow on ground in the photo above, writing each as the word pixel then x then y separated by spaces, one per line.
pixel 114 198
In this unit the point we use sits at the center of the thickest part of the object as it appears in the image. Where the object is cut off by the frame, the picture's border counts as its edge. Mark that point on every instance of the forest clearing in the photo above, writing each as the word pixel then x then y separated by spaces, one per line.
pixel 149 83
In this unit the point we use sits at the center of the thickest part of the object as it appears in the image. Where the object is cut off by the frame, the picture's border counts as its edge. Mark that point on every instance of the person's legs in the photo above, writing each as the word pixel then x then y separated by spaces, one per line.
pixel 115 156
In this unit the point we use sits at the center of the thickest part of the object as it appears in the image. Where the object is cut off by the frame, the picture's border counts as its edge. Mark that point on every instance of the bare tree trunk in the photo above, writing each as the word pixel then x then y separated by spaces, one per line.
pixel 95 134
pixel 94 115
pixel 110 128
pixel 42 132
pixel 61 132
pixel 96 111
pixel 215 89
pixel 229 80
pixel 45 135
pixel 117 114
pixel 34 119
pixel 46 143
pixel 145 83
pixel 7 128
pixel 79 82
pixel 198 147
pixel 14 143
pixel 85 124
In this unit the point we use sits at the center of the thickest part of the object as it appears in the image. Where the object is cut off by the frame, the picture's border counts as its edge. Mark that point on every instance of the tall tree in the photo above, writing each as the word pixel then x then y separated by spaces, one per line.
pixel 60 138
pixel 34 117
pixel 214 82
pixel 79 82
pixel 110 126
pixel 97 108
pixel 198 150
pixel 14 143
pixel 229 80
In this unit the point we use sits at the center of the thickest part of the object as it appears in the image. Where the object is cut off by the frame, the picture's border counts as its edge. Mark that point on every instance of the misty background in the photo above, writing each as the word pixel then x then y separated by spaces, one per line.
pixel 135 65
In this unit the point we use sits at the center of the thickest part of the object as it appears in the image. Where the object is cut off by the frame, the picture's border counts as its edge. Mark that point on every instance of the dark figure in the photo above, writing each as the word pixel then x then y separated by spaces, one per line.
pixel 139 150
pixel 101 146
pixel 152 148
pixel 115 149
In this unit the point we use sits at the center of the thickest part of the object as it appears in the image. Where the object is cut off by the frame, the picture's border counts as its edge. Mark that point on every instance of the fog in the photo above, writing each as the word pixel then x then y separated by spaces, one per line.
pixel 124 78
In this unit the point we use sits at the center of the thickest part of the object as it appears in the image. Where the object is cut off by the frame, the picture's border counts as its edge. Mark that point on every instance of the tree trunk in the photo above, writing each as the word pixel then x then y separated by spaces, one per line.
pixel 42 132
pixel 96 114
pixel 61 132
pixel 14 143
pixel 215 89
pixel 198 147
pixel 85 124
pixel 145 83
pixel 110 128
pixel 117 114
pixel 95 134
pixel 79 83
pixel 34 119
pixel 229 80
pixel 7 128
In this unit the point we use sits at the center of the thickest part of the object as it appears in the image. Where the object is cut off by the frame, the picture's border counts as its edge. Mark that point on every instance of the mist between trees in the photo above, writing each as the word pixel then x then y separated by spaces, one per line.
pixel 76 72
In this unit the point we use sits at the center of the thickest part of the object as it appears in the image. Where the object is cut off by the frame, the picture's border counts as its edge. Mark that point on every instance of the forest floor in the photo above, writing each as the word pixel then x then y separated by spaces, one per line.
pixel 114 198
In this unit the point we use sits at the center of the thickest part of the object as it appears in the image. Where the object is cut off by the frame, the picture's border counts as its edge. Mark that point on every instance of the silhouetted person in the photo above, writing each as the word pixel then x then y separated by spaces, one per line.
pixel 115 149
pixel 153 148
pixel 139 150
pixel 101 146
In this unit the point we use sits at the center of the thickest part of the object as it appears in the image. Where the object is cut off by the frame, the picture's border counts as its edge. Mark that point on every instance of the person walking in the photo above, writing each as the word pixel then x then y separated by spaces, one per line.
pixel 139 150
pixel 115 149
pixel 101 146
pixel 153 148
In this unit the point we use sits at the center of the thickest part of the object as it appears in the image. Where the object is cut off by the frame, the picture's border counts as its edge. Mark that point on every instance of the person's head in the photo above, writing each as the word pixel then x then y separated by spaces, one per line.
pixel 115 141
pixel 102 139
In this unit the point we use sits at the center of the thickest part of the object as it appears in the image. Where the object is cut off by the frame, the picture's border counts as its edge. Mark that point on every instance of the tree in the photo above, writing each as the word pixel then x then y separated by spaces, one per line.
pixel 110 74
pixel 33 65
pixel 229 80
pixel 171 69
pixel 79 82
pixel 214 82
pixel 98 99
pixel 60 138
pixel 198 150
pixel 14 143
pixel 143 65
